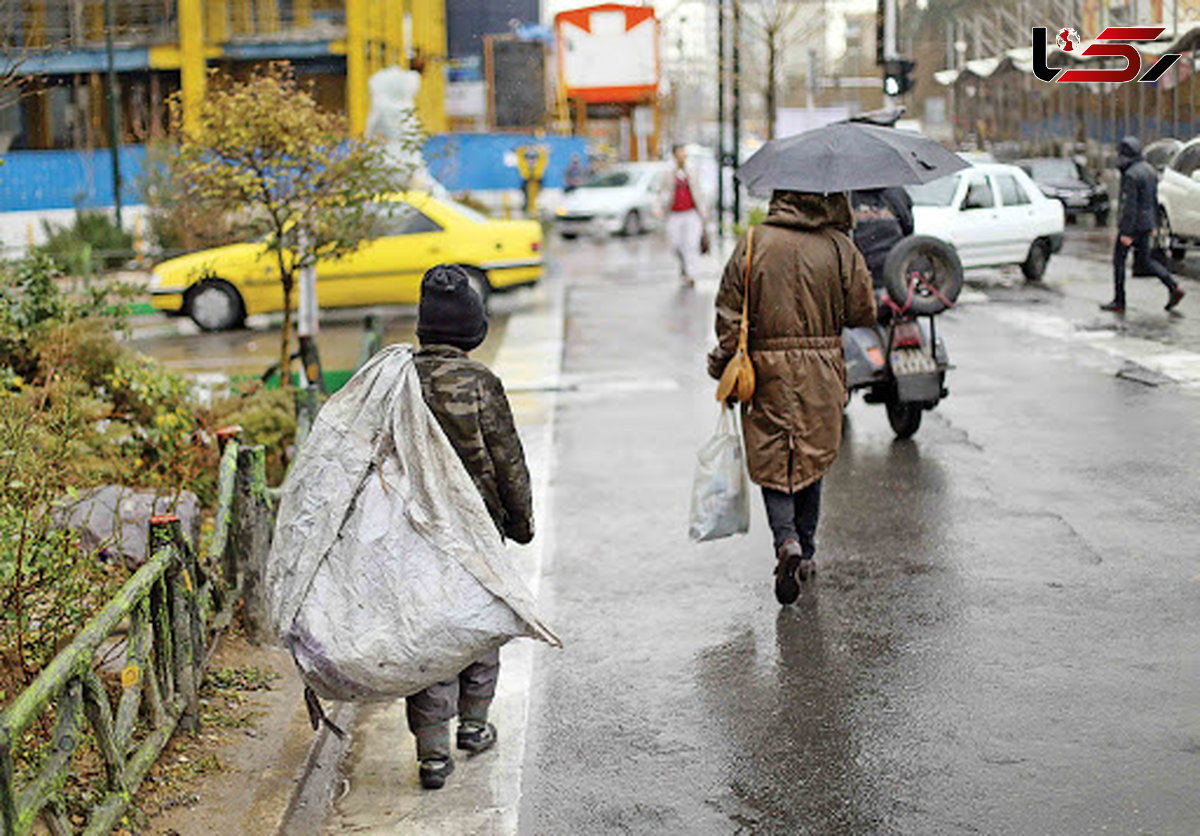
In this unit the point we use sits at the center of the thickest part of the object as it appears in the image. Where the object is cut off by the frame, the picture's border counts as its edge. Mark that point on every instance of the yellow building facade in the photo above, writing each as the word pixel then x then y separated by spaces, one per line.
pixel 160 48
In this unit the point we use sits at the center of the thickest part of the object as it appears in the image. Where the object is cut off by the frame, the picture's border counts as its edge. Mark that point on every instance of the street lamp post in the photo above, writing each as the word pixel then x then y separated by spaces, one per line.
pixel 720 118
pixel 113 128
pixel 737 105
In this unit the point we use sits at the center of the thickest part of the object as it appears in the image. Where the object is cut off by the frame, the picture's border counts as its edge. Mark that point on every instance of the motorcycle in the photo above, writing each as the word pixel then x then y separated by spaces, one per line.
pixel 901 362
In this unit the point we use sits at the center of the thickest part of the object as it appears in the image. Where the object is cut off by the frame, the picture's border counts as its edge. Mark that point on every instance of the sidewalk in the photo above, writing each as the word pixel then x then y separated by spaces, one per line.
pixel 375 790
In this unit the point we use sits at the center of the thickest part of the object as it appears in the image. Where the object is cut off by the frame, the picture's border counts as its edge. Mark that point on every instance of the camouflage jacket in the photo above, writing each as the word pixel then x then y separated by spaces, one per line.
pixel 472 409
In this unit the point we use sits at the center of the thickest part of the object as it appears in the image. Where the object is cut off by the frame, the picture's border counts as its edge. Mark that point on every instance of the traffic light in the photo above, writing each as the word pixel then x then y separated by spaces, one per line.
pixel 897 76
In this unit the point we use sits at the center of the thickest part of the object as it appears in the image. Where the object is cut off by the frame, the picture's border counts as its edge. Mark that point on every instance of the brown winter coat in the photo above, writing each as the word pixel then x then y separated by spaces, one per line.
pixel 807 282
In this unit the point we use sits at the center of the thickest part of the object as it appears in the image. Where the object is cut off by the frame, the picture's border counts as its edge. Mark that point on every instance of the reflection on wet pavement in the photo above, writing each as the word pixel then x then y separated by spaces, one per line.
pixel 810 721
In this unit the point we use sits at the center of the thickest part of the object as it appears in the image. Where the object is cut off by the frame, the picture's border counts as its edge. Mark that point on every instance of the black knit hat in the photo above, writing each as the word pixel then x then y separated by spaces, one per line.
pixel 451 312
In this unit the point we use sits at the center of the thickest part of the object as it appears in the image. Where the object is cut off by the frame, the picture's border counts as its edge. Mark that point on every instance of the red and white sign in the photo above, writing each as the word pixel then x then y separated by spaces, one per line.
pixel 608 53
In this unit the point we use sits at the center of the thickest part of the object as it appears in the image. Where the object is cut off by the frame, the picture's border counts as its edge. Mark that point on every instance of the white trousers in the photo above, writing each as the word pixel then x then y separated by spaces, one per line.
pixel 683 233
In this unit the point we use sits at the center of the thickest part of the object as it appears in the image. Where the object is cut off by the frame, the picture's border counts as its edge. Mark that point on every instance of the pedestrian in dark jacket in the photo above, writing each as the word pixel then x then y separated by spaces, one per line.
pixel 882 217
pixel 1136 222
pixel 807 282
pixel 472 409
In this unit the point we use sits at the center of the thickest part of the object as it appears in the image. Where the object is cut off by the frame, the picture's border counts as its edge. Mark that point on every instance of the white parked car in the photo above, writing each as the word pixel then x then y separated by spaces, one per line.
pixel 994 215
pixel 626 199
pixel 1179 201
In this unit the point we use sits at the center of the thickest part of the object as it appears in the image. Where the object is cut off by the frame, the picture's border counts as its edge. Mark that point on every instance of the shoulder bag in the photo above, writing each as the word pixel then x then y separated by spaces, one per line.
pixel 737 381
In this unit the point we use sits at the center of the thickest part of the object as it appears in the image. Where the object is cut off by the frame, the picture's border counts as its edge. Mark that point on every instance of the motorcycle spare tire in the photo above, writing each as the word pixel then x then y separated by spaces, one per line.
pixel 936 262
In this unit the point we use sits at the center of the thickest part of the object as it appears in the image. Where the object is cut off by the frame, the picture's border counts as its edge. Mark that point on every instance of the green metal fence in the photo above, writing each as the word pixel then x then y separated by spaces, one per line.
pixel 168 610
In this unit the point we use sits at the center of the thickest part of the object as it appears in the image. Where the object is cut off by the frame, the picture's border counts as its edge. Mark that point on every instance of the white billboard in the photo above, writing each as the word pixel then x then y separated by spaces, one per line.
pixel 608 53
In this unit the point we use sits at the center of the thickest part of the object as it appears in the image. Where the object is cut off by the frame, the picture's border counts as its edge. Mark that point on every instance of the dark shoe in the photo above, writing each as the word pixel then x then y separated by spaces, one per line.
pixel 789 558
pixel 1176 297
pixel 1113 307
pixel 807 569
pixel 434 772
pixel 476 737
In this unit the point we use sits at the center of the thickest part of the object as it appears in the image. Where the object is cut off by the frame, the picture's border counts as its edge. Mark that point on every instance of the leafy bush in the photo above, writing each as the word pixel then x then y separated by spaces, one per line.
pixel 42 327
pixel 50 585
pixel 93 242
pixel 77 410
pixel 267 417
pixel 80 409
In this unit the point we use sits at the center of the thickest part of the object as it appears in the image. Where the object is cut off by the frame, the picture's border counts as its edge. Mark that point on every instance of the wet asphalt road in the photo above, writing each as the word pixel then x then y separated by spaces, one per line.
pixel 1002 636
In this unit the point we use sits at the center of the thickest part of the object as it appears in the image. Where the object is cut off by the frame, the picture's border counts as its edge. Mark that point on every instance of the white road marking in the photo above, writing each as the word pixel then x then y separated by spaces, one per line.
pixel 1179 366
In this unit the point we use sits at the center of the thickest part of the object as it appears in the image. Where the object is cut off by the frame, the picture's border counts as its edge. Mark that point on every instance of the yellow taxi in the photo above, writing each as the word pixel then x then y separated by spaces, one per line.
pixel 218 288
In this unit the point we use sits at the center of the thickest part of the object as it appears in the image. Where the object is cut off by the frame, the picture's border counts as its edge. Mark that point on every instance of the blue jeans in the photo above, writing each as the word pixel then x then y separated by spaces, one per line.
pixel 794 516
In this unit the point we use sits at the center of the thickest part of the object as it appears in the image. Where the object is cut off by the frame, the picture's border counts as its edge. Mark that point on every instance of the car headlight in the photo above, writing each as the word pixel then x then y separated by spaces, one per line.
pixel 561 211
pixel 156 281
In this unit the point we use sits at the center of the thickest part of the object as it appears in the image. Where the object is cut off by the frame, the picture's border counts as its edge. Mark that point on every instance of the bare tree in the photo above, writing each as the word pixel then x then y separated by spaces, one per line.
pixel 777 24
pixel 10 79
pixel 15 84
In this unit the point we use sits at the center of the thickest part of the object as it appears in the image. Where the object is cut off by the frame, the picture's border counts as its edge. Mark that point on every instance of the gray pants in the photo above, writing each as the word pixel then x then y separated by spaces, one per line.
pixel 469 695
pixel 795 516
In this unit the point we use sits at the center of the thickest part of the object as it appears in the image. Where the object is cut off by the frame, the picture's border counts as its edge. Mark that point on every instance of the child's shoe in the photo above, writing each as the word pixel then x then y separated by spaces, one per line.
pixel 476 737
pixel 435 771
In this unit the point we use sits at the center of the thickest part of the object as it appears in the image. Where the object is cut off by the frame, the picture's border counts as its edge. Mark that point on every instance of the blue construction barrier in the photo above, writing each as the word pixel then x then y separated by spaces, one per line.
pixel 32 181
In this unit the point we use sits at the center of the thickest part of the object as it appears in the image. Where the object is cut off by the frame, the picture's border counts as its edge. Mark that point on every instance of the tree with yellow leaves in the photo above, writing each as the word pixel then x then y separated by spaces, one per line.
pixel 263 152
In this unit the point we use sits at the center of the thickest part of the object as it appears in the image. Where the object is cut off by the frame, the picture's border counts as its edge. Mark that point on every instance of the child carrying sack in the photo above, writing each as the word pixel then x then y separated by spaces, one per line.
pixel 386 573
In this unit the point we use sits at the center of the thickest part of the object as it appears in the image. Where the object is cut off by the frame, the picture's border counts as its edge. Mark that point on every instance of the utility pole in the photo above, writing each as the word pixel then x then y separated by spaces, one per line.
pixel 1175 88
pixel 720 119
pixel 737 106
pixel 114 130
pixel 889 41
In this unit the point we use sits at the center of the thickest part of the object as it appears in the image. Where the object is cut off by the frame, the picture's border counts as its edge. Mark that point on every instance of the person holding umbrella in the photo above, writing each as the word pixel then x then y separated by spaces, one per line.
pixel 799 280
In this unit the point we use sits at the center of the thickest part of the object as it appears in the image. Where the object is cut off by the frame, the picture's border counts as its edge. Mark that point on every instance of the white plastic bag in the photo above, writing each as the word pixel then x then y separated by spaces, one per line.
pixel 720 493
pixel 386 572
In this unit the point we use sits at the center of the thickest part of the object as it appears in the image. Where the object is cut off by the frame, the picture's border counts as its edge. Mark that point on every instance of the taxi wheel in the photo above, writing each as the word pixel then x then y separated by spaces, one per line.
pixel 215 305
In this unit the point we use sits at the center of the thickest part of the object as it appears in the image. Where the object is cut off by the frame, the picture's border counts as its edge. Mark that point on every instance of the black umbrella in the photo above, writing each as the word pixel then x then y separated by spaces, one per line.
pixel 846 156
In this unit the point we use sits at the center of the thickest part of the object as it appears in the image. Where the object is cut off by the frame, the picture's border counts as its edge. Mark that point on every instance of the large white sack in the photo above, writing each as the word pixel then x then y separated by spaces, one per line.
pixel 386 573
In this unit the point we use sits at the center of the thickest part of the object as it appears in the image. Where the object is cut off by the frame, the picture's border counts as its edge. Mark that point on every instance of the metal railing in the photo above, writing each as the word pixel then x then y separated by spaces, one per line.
pixel 59 23
pixel 169 611
pixel 66 24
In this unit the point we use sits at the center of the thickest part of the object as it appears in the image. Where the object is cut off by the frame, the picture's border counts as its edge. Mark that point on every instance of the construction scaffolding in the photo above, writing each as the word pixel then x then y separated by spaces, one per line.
pixel 164 46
